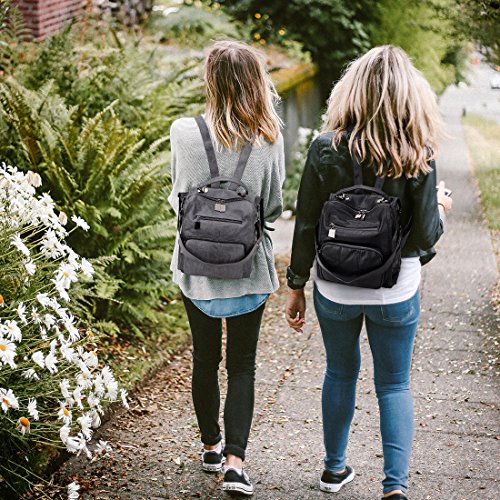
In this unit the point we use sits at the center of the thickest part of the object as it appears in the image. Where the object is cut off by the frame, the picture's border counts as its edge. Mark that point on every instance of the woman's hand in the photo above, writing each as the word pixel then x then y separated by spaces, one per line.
pixel 445 201
pixel 296 309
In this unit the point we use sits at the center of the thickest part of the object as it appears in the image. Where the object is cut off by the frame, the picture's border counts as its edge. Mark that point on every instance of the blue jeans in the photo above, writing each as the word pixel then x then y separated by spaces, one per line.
pixel 391 332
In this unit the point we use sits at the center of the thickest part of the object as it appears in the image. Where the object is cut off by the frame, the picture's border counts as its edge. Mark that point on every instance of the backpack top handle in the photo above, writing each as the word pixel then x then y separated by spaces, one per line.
pixel 212 160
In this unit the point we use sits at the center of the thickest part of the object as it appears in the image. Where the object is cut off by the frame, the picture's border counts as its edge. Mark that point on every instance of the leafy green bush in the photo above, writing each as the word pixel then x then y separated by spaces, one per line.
pixel 292 181
pixel 192 27
pixel 331 30
pixel 93 121
pixel 102 171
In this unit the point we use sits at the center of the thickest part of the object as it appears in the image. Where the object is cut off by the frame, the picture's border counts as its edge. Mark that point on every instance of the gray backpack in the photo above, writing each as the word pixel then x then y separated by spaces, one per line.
pixel 220 226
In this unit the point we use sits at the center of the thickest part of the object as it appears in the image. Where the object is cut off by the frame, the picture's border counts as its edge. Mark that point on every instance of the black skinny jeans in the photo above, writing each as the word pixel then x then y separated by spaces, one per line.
pixel 242 338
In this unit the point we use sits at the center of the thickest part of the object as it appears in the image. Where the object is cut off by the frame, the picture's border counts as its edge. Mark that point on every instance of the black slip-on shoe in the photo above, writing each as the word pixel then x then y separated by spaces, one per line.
pixel 396 496
pixel 237 484
pixel 331 482
pixel 211 461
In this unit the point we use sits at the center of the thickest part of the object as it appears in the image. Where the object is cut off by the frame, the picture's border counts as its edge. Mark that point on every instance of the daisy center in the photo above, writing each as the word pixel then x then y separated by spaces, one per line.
pixel 24 421
pixel 6 402
pixel 3 347
pixel 66 412
pixel 65 274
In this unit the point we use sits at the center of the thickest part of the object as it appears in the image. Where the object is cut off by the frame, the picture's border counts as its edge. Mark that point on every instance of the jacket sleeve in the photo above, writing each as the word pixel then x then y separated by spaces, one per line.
pixel 273 205
pixel 309 205
pixel 427 226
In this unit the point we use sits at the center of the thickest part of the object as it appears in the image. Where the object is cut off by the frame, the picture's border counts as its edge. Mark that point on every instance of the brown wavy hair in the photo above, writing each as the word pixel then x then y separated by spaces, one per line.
pixel 240 96
pixel 390 111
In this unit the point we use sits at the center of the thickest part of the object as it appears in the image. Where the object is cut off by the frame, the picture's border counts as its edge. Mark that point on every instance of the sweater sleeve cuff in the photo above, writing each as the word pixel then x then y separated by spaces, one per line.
pixel 295 281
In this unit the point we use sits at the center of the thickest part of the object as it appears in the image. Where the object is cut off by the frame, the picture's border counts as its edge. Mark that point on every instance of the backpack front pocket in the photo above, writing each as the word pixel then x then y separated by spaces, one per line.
pixel 349 260
pixel 215 252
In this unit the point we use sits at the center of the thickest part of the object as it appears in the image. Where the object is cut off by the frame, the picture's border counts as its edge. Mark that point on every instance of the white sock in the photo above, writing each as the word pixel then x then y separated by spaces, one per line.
pixel 218 449
pixel 239 471
pixel 340 471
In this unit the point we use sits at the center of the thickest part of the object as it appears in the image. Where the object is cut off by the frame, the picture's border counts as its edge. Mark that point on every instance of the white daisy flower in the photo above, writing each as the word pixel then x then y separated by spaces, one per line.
pixel 33 412
pixel 64 385
pixel 72 444
pixel 73 491
pixel 77 396
pixel 8 400
pixel 68 353
pixel 30 267
pixel 85 422
pixel 44 299
pixel 17 242
pixel 34 179
pixel 112 393
pixel 21 312
pixel 87 268
pixel 65 275
pixel 12 331
pixel 64 414
pixel 82 444
pixel 50 245
pixel 90 359
pixel 35 316
pixel 99 385
pixel 103 447
pixel 124 394
pixel 50 362
pixel 30 374
pixel 64 433
pixel 49 320
pixel 23 425
pixel 96 419
pixel 80 222
pixel 38 358
pixel 7 352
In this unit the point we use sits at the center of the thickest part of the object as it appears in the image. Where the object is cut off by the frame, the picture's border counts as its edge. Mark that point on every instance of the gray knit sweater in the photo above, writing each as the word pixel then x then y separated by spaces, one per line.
pixel 263 176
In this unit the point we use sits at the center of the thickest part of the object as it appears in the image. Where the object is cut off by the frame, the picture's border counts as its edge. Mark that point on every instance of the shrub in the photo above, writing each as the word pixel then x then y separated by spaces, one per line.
pixel 102 171
pixel 292 181
pixel 192 27
pixel 51 383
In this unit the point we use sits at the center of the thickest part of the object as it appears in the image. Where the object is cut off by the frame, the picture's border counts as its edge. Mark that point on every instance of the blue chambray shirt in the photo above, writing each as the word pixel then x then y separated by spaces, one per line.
pixel 232 306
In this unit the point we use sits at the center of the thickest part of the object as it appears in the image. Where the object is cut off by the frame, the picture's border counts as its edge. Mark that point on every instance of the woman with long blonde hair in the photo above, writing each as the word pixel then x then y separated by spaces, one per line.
pixel 239 110
pixel 382 115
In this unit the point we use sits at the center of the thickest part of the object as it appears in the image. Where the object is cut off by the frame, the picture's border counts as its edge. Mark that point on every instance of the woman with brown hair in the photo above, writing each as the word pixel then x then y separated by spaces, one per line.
pixel 382 115
pixel 239 110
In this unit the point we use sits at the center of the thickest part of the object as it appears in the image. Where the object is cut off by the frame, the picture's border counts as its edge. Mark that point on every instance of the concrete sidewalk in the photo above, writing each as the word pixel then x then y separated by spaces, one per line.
pixel 455 385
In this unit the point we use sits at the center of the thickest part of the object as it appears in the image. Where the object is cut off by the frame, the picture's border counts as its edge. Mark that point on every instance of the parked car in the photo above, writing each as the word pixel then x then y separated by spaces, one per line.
pixel 495 81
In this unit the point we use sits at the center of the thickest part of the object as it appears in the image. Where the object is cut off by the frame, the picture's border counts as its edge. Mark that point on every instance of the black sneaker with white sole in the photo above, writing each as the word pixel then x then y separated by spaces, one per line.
pixel 396 496
pixel 237 484
pixel 331 482
pixel 212 461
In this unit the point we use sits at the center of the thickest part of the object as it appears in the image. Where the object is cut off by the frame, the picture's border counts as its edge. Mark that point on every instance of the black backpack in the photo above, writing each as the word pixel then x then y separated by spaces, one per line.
pixel 359 237
pixel 220 226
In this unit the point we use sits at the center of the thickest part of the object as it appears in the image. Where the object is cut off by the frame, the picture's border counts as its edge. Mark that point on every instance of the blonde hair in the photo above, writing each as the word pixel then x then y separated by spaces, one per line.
pixel 390 111
pixel 240 96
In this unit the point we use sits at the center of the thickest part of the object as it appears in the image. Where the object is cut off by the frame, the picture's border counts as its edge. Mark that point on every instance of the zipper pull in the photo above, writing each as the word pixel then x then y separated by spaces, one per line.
pixel 361 215
pixel 331 233
pixel 220 206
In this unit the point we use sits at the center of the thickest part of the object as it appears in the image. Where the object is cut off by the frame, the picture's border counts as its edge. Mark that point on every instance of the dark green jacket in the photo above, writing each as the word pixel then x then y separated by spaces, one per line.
pixel 325 172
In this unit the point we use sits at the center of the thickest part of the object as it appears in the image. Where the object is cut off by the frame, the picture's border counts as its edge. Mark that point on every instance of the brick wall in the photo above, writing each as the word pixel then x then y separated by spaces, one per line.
pixel 45 17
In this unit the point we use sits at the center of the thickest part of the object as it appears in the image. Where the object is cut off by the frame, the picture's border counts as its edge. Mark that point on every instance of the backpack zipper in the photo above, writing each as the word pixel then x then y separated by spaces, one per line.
pixel 361 214
pixel 218 219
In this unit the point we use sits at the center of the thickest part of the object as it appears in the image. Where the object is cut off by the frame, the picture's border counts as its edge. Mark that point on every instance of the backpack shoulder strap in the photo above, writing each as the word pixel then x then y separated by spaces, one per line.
pixel 358 175
pixel 242 161
pixel 209 148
